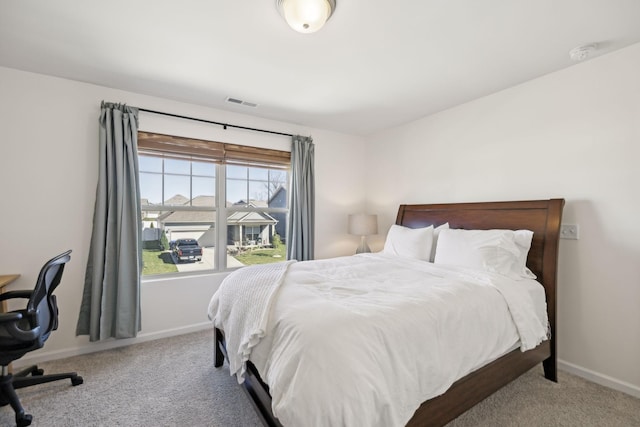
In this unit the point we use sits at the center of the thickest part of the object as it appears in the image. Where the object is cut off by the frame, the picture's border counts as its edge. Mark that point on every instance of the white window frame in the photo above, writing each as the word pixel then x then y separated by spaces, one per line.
pixel 222 212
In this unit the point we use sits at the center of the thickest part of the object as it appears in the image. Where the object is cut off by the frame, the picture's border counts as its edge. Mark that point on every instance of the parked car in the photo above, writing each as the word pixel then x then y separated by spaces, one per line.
pixel 186 250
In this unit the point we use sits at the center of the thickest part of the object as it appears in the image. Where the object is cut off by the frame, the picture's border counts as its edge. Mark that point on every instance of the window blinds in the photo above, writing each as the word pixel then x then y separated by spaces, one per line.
pixel 219 152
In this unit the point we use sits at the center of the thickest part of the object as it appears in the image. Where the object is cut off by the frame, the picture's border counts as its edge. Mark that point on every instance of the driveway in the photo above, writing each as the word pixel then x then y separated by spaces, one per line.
pixel 207 263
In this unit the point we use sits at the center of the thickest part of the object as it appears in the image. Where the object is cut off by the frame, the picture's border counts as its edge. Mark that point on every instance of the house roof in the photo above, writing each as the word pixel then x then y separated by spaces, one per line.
pixel 176 200
pixel 252 203
pixel 203 201
pixel 206 217
pixel 251 218
pixel 184 217
pixel 189 216
pixel 276 194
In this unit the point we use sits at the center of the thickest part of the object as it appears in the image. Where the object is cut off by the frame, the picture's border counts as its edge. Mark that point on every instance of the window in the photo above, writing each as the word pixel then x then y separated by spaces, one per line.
pixel 222 195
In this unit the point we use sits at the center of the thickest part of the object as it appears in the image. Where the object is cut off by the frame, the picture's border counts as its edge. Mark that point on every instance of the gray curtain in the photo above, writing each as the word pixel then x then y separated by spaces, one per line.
pixel 111 299
pixel 300 239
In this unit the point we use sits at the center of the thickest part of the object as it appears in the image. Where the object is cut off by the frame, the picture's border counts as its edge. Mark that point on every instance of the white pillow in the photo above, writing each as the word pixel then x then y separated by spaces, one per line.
pixel 523 240
pixel 436 233
pixel 494 251
pixel 409 242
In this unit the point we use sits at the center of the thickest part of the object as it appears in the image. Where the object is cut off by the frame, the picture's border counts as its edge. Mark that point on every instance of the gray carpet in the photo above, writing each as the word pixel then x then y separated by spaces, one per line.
pixel 172 382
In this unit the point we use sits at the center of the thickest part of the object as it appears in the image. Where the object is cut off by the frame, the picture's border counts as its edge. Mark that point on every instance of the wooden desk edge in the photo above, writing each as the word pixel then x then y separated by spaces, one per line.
pixel 5 279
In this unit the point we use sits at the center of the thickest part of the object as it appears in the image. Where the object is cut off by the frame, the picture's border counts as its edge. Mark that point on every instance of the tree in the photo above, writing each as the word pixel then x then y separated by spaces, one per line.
pixel 277 179
pixel 164 242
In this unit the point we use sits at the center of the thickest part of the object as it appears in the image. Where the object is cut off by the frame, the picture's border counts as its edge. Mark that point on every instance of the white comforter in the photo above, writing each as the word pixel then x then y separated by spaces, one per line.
pixel 363 340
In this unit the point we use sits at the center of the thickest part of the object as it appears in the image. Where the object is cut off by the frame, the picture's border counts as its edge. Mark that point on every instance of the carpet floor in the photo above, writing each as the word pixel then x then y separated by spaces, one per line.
pixel 172 382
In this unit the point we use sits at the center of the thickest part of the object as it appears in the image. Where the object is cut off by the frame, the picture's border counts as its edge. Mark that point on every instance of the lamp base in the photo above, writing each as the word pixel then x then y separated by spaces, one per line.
pixel 363 248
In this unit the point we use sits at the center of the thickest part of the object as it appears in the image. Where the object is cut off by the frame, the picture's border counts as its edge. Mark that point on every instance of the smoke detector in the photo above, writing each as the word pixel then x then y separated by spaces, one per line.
pixel 580 53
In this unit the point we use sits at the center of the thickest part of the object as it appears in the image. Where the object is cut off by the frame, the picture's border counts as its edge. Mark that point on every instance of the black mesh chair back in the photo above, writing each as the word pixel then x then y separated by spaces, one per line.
pixel 40 316
pixel 42 301
pixel 25 330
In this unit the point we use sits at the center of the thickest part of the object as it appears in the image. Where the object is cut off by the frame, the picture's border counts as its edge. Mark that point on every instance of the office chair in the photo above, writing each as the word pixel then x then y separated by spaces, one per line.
pixel 22 331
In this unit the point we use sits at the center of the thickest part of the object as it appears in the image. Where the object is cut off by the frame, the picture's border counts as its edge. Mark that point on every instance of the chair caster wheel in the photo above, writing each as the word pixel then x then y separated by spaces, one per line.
pixel 23 420
pixel 37 372
pixel 76 381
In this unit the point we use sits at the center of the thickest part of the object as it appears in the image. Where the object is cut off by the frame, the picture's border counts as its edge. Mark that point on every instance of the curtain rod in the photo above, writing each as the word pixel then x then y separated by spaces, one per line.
pixel 224 125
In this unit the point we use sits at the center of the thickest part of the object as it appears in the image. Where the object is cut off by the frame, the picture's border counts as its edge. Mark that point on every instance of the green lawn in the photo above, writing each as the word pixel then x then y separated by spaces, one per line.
pixel 263 256
pixel 160 262
pixel 157 262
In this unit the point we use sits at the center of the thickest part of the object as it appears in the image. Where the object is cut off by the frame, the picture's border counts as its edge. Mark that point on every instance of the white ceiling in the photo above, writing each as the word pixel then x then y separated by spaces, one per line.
pixel 374 65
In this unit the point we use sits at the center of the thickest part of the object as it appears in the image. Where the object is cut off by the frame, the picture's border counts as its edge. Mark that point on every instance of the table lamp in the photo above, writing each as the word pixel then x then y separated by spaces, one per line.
pixel 363 225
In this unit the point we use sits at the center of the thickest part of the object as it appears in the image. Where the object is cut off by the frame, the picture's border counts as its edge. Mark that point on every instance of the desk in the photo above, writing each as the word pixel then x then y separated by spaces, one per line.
pixel 5 279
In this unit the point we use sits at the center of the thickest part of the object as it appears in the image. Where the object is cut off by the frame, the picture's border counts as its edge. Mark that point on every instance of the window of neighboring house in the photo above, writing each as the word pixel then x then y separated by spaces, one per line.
pixel 222 195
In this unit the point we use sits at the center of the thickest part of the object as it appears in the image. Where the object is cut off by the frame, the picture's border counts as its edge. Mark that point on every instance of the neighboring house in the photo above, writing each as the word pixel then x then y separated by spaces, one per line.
pixel 151 234
pixel 199 225
pixel 149 218
pixel 177 200
pixel 250 228
pixel 279 200
pixel 244 228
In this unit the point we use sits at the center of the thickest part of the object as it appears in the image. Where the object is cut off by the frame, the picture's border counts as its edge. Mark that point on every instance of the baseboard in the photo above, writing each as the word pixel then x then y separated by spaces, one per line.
pixel 46 356
pixel 598 378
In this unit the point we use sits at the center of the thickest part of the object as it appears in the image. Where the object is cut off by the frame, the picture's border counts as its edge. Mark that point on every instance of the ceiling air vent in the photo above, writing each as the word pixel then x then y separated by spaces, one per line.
pixel 241 102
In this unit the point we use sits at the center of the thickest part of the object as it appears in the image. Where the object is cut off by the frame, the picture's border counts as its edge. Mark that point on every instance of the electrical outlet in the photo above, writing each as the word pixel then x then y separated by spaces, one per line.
pixel 569 231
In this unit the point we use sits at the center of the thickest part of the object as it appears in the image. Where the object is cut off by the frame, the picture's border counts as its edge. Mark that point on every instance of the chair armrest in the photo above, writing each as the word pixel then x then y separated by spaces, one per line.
pixel 15 294
pixel 10 317
pixel 9 321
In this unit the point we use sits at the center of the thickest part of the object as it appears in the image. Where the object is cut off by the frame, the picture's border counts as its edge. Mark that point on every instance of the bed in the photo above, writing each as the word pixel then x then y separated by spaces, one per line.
pixel 542 217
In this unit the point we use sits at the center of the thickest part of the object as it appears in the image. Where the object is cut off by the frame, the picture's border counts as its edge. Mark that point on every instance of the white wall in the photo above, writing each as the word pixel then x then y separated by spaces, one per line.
pixel 573 134
pixel 48 175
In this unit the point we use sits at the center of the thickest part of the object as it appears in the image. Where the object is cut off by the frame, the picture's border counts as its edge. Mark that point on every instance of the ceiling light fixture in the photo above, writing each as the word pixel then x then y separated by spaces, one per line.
pixel 306 16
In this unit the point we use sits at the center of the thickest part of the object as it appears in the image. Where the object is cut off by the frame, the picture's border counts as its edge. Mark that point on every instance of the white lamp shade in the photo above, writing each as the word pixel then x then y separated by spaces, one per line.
pixel 363 224
pixel 305 16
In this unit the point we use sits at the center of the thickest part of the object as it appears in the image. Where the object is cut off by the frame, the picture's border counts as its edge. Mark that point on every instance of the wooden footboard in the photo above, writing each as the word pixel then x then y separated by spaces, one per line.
pixel 543 218
pixel 477 386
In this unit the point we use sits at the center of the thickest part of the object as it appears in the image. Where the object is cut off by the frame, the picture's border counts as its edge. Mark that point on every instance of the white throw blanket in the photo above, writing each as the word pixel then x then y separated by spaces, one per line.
pixel 241 308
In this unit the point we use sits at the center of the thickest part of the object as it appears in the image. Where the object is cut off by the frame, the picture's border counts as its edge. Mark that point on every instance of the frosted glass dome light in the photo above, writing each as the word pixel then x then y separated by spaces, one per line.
pixel 306 16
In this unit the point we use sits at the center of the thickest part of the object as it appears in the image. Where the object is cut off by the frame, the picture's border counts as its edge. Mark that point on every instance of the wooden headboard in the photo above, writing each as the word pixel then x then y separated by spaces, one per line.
pixel 540 216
